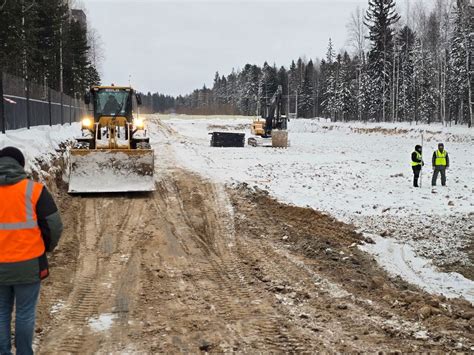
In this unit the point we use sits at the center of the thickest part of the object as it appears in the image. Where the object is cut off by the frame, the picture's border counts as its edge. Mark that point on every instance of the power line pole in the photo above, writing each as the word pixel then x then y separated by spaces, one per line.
pixel 61 84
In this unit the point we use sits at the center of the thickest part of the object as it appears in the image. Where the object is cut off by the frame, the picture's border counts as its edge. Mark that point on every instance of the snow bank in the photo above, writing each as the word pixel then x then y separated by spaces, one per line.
pixel 401 260
pixel 39 142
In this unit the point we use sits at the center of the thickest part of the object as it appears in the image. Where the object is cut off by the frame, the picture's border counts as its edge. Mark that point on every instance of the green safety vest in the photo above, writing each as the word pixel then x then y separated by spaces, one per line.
pixel 441 158
pixel 418 156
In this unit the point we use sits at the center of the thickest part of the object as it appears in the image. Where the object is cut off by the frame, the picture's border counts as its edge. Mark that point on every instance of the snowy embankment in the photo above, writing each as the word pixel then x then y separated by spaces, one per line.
pixel 361 174
pixel 41 145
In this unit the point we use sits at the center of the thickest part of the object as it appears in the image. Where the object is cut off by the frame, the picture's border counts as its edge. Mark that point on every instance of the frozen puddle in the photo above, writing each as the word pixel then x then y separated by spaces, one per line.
pixel 400 259
pixel 103 322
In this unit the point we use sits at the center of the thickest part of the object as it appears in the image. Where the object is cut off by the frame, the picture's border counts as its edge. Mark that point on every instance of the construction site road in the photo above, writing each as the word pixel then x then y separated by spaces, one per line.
pixel 201 267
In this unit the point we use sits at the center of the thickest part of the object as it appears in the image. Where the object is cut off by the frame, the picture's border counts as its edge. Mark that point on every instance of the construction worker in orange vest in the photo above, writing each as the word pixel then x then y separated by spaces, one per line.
pixel 440 162
pixel 30 226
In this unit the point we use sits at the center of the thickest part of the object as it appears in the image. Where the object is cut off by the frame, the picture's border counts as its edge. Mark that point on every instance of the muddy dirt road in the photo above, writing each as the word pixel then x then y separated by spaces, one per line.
pixel 199 267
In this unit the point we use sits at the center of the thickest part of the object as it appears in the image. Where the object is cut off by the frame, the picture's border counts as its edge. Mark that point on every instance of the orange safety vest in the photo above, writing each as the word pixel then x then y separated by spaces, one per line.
pixel 20 236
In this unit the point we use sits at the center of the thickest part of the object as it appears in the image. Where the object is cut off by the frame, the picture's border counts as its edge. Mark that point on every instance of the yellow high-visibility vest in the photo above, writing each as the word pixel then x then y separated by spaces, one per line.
pixel 418 156
pixel 441 158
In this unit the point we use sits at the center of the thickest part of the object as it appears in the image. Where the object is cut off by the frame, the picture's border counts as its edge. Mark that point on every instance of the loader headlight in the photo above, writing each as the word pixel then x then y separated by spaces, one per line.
pixel 86 123
pixel 138 123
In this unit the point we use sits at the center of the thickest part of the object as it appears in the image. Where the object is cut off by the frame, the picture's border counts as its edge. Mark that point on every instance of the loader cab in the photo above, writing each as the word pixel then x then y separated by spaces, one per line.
pixel 113 101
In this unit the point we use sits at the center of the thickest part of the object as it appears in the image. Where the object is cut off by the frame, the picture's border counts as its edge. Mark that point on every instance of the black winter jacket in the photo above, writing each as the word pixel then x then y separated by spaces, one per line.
pixel 414 158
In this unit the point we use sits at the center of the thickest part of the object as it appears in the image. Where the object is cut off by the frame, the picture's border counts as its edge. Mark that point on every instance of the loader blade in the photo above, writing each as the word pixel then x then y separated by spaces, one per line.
pixel 105 170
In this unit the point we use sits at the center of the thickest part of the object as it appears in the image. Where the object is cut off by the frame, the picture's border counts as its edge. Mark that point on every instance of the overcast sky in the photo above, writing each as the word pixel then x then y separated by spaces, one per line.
pixel 176 46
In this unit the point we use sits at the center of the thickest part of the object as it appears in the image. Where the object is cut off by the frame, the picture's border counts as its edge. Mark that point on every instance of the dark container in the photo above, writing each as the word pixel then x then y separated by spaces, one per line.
pixel 226 139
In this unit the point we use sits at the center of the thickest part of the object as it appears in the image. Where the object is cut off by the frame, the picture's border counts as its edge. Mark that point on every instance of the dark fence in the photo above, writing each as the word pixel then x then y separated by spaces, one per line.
pixel 25 104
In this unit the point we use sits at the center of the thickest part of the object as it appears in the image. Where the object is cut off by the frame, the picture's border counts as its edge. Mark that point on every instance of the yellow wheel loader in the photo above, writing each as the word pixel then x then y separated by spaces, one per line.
pixel 114 153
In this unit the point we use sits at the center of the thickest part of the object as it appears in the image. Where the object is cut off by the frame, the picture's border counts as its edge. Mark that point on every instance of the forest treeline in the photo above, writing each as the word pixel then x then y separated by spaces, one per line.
pixel 397 70
pixel 43 43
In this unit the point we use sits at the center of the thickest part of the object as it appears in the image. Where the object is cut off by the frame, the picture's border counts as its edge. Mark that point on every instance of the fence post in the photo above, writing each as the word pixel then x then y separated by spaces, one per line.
pixel 2 109
pixel 27 91
pixel 62 109
pixel 50 108
pixel 70 110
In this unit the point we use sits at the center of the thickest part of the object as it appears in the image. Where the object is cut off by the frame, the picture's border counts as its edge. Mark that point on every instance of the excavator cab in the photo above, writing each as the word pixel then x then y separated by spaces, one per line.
pixel 114 153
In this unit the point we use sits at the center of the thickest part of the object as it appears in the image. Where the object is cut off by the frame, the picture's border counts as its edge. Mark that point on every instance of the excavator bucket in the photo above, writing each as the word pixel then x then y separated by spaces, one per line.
pixel 106 170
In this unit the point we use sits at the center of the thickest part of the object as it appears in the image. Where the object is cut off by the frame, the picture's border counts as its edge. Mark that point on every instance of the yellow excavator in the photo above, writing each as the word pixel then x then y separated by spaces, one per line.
pixel 114 153
pixel 272 130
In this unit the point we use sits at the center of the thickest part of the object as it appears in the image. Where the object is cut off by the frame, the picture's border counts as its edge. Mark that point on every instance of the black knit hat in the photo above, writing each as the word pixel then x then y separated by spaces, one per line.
pixel 14 153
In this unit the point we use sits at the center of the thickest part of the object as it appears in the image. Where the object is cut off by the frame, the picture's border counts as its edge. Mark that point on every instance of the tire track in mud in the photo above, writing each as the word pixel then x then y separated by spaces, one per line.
pixel 234 299
pixel 95 280
pixel 83 299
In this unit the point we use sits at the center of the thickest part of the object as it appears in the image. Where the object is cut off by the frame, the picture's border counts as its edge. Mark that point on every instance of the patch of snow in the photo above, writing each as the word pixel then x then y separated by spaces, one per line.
pixel 57 307
pixel 400 259
pixel 102 323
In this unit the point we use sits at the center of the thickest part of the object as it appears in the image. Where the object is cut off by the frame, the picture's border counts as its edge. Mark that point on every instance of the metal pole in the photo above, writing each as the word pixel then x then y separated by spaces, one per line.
pixel 2 109
pixel 70 110
pixel 27 92
pixel 296 104
pixel 62 109
pixel 75 110
pixel 50 108
pixel 421 171
pixel 61 69
pixel 288 102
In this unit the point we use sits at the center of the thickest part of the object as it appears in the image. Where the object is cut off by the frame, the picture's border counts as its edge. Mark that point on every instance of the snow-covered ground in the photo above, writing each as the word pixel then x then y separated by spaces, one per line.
pixel 359 173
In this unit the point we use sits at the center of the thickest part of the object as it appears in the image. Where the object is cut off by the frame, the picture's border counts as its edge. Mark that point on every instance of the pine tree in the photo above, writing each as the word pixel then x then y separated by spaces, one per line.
pixel 459 81
pixel 380 16
pixel 364 97
pixel 424 77
pixel 18 34
pixel 306 93
pixel 293 86
pixel 329 89
pixel 406 100
pixel 268 86
pixel 344 96
pixel 53 25
pixel 76 60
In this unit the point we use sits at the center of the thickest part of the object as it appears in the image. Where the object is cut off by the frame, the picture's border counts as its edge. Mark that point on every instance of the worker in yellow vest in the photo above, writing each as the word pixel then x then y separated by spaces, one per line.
pixel 440 163
pixel 416 164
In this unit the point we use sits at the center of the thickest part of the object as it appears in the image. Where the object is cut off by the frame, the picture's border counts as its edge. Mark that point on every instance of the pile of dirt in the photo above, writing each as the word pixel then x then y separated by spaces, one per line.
pixel 332 248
